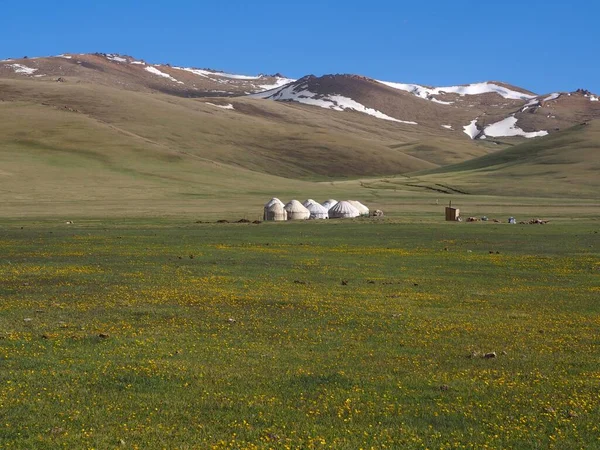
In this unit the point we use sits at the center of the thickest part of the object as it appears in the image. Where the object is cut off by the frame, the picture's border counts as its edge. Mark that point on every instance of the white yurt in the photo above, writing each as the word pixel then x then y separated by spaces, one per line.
pixel 296 211
pixel 362 209
pixel 343 210
pixel 270 203
pixel 317 211
pixel 305 203
pixel 330 203
pixel 275 212
pixel 273 201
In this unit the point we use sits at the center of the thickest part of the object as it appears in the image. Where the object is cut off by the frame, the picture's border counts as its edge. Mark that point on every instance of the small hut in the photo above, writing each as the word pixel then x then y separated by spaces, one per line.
pixel 275 212
pixel 296 211
pixel 268 207
pixel 317 211
pixel 343 210
pixel 329 203
pixel 452 214
pixel 362 209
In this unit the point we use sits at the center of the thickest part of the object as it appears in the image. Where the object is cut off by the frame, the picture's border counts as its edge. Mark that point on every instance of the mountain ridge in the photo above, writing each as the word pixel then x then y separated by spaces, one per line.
pixel 137 123
pixel 493 110
pixel 123 58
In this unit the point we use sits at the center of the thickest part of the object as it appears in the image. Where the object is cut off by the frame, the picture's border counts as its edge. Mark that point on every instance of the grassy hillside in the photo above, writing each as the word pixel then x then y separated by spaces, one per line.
pixel 573 146
pixel 77 143
pixel 113 336
pixel 565 164
pixel 260 136
pixel 79 149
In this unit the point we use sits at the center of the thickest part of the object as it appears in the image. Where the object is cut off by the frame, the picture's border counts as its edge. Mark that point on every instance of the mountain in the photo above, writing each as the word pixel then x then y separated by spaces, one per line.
pixel 489 110
pixel 564 164
pixel 100 127
pixel 126 72
pixel 90 120
pixel 495 111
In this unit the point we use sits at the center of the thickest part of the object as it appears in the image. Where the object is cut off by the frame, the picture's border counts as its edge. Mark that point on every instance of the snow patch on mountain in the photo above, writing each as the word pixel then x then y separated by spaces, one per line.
pixel 301 94
pixel 508 127
pixel 202 73
pixel 279 82
pixel 435 100
pixel 552 97
pixel 470 89
pixel 155 71
pixel 234 76
pixel 593 98
pixel 415 89
pixel 531 104
pixel 229 77
pixel 471 130
pixel 228 106
pixel 19 68
pixel 116 58
pixel 211 74
pixel 447 127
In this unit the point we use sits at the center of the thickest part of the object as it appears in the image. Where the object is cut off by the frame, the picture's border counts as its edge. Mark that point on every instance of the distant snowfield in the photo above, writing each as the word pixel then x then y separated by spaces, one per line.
pixel 508 127
pixel 447 127
pixel 537 102
pixel 301 94
pixel 210 74
pixel 116 58
pixel 217 76
pixel 471 130
pixel 552 97
pixel 202 73
pixel 228 106
pixel 234 76
pixel 504 128
pixel 279 83
pixel 19 68
pixel 155 71
pixel 531 104
pixel 470 89
pixel 435 100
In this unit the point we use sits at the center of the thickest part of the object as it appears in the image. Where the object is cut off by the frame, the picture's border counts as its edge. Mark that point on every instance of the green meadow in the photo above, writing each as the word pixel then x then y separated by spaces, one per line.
pixel 130 318
pixel 148 334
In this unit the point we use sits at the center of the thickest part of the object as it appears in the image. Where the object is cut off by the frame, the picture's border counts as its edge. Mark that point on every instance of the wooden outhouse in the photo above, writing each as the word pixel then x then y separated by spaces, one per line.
pixel 452 214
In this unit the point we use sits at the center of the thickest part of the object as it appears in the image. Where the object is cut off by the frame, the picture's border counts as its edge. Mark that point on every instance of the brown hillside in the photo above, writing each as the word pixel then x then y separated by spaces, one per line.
pixel 126 72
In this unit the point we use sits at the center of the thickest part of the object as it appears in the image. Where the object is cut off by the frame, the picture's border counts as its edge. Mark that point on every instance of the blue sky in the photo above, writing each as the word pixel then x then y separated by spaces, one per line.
pixel 540 45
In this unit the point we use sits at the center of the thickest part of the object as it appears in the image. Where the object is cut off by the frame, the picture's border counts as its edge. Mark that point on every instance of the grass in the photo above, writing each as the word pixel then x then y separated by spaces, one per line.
pixel 169 334
pixel 261 136
pixel 127 153
pixel 564 164
pixel 80 150
pixel 137 327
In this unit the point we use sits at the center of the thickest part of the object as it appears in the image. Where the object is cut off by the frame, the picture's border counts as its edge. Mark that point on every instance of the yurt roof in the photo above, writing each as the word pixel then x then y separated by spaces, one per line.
pixel 275 207
pixel 295 206
pixel 344 207
pixel 305 203
pixel 317 208
pixel 274 200
pixel 358 205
